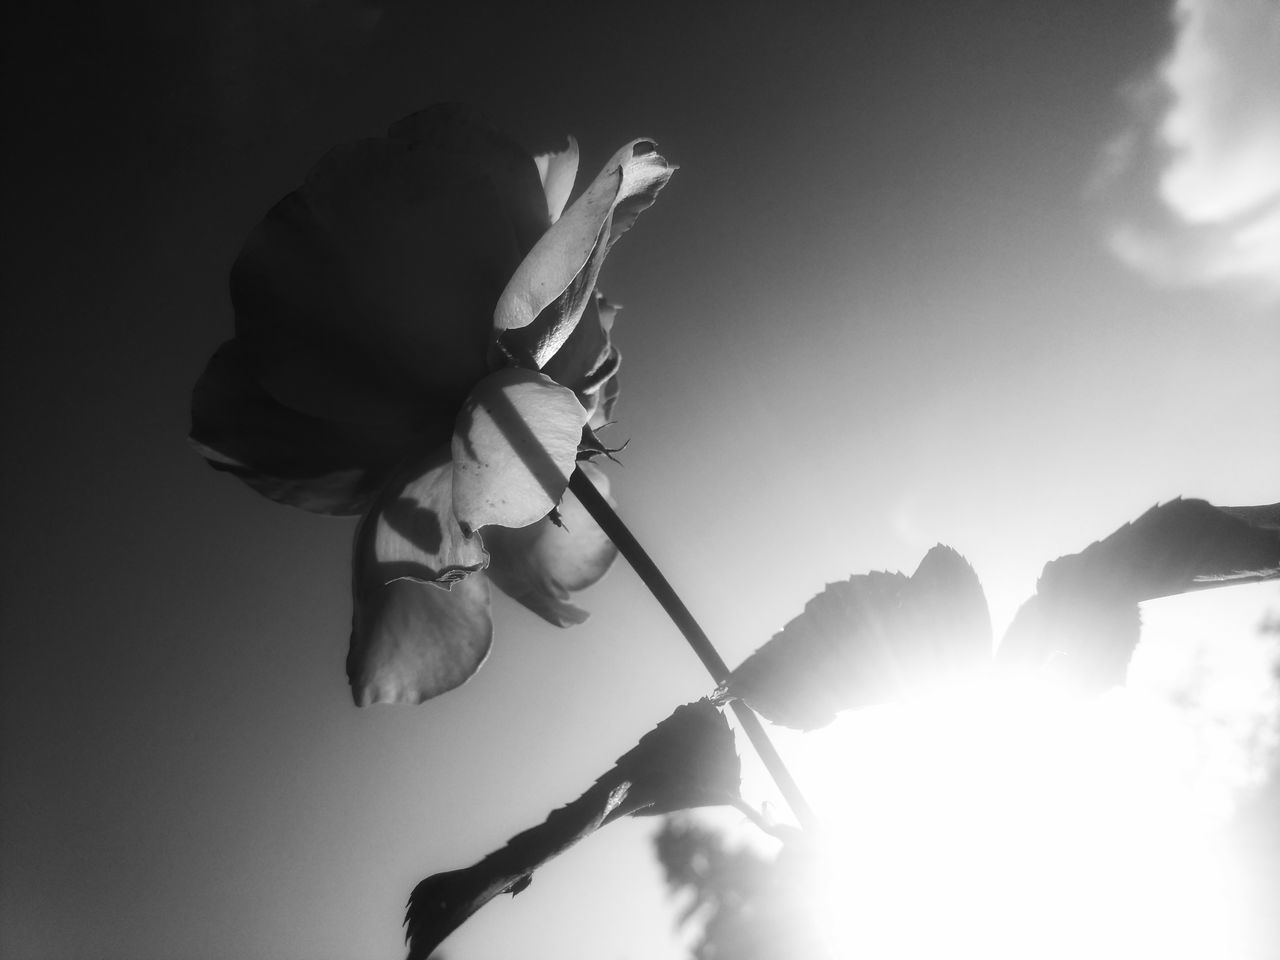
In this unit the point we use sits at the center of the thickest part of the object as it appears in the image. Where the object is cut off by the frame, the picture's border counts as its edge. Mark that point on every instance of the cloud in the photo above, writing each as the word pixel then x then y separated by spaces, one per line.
pixel 1191 190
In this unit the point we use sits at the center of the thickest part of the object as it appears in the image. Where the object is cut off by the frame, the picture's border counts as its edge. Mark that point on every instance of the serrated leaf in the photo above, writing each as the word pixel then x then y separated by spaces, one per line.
pixel 1084 614
pixel 686 761
pixel 869 639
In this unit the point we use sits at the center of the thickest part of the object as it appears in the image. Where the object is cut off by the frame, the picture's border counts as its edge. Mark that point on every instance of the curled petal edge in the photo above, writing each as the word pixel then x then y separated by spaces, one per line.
pixel 549 290
pixel 558 170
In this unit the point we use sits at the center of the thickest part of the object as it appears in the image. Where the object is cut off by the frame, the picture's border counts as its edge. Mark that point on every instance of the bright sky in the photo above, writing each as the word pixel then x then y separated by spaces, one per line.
pixel 1025 823
pixel 998 275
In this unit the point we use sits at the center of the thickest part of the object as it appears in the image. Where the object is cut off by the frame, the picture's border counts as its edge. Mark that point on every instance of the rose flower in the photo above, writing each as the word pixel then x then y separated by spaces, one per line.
pixel 419 342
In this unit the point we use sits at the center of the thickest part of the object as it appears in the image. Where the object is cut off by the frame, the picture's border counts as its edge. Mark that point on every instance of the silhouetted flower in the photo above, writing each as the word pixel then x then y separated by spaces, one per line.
pixel 419 341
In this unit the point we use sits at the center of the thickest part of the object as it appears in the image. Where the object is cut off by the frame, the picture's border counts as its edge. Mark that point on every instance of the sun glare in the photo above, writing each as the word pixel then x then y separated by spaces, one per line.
pixel 1011 820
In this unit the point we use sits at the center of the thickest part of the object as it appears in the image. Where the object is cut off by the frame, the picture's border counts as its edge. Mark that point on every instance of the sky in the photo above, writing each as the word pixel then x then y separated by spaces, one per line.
pixel 997 274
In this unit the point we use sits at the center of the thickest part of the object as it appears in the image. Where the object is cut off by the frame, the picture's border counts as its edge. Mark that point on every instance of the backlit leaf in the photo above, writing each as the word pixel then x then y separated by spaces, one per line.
pixel 687 761
pixel 1084 615
pixel 869 639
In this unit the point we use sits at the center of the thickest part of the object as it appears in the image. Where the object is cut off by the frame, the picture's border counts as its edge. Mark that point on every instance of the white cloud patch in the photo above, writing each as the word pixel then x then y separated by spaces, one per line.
pixel 1192 189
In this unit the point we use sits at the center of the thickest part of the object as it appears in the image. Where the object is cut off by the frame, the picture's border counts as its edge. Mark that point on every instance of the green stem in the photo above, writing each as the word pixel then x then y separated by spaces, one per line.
pixel 666 595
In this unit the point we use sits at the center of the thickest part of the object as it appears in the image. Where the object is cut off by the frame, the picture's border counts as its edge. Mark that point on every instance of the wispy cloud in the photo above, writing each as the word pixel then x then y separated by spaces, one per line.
pixel 1191 189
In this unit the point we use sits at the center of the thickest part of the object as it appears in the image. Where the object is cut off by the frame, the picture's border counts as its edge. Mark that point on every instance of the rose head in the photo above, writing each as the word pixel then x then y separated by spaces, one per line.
pixel 419 342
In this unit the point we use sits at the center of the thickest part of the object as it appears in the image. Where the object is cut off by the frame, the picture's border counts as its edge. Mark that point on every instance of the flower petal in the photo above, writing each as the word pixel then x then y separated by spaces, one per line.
pixel 514 447
pixel 540 564
pixel 460 131
pixel 309 462
pixel 558 170
pixel 367 294
pixel 605 401
pixel 548 292
pixel 411 532
pixel 412 641
pixel 587 358
pixel 421 614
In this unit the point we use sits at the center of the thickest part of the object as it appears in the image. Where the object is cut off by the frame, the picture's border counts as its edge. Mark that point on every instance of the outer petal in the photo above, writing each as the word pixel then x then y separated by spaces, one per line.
pixel 514 446
pixel 540 564
pixel 411 532
pixel 309 462
pixel 420 624
pixel 548 292
pixel 460 131
pixel 558 171
pixel 367 294
pixel 412 641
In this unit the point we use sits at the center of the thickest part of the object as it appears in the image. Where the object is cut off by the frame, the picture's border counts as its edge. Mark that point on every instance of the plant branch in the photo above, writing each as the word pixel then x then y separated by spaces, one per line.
pixel 658 585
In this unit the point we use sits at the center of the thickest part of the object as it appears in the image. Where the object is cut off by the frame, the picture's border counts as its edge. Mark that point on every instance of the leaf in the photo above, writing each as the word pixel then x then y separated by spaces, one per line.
pixel 1084 614
pixel 870 639
pixel 548 291
pixel 514 445
pixel 686 761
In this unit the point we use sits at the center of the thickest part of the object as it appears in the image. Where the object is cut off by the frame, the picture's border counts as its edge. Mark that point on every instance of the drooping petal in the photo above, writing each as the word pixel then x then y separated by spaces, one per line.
pixel 548 292
pixel 367 294
pixel 539 565
pixel 319 465
pixel 514 446
pixel 421 623
pixel 411 532
pixel 411 641
pixel 558 170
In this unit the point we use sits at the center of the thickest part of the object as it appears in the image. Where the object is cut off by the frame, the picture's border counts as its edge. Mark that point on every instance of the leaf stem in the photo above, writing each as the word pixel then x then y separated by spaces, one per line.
pixel 658 585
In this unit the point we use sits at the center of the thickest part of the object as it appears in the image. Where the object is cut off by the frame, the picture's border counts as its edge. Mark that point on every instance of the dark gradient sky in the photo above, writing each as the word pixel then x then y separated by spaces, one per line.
pixel 873 310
